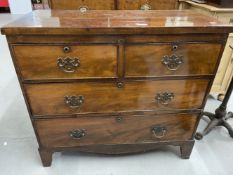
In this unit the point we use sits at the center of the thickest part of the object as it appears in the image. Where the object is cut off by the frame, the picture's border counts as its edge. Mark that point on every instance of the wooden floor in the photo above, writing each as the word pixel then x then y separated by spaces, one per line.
pixel 18 146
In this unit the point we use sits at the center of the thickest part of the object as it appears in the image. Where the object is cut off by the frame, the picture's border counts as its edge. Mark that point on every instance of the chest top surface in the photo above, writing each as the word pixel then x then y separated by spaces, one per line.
pixel 64 22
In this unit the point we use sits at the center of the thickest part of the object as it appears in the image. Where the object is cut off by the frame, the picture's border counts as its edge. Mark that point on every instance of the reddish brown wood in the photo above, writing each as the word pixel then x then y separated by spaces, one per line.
pixel 115 130
pixel 59 22
pixel 150 57
pixel 124 148
pixel 113 39
pixel 41 61
pixel 115 46
pixel 186 150
pixel 46 156
pixel 48 99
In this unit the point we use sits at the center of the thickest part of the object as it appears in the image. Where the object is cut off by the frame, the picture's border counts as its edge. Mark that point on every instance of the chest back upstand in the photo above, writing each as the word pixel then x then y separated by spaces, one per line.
pixel 115 82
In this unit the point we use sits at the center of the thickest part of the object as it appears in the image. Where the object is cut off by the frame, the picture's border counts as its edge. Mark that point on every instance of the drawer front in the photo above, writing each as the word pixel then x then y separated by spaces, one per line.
pixel 160 60
pixel 66 62
pixel 115 130
pixel 147 5
pixel 82 4
pixel 72 98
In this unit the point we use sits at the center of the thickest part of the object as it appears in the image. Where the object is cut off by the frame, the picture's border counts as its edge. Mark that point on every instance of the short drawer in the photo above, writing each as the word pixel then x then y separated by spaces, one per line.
pixel 115 130
pixel 83 4
pixel 38 62
pixel 89 97
pixel 166 59
pixel 147 5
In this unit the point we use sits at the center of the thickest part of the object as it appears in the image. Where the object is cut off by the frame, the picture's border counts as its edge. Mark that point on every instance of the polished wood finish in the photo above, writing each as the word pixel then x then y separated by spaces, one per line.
pixel 149 57
pixel 104 57
pixel 120 98
pixel 72 22
pixel 124 149
pixel 48 99
pixel 113 39
pixel 41 61
pixel 128 130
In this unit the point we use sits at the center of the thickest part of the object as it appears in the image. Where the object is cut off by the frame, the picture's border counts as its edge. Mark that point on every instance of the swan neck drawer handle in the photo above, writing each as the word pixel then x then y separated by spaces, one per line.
pixel 164 98
pixel 145 7
pixel 68 64
pixel 83 9
pixel 172 62
pixel 159 132
pixel 74 101
pixel 78 134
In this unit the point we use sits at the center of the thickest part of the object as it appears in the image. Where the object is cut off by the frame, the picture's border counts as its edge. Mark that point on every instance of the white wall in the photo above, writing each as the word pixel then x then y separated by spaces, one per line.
pixel 20 6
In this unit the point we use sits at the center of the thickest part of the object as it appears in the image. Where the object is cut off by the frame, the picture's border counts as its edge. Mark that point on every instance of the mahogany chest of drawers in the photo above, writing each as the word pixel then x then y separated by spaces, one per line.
pixel 115 82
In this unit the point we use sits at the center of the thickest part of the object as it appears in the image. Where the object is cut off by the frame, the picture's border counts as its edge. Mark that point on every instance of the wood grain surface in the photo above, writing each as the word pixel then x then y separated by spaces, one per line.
pixel 108 130
pixel 48 99
pixel 146 60
pixel 103 22
pixel 113 39
pixel 40 62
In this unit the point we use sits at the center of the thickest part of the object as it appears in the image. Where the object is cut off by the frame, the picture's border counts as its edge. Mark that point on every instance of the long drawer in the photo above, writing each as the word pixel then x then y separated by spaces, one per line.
pixel 166 59
pixel 90 97
pixel 66 62
pixel 72 132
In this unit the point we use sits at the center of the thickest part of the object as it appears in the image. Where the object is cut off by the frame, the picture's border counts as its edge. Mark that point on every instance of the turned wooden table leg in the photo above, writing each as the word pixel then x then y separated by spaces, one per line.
pixel 46 156
pixel 186 150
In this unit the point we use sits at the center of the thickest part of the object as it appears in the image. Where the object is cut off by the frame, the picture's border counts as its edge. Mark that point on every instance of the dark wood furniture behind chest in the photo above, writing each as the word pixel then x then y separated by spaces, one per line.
pixel 221 3
pixel 113 4
pixel 115 82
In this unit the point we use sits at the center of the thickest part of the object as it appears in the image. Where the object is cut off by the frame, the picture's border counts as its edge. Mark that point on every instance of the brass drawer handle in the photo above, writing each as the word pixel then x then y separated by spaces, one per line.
pixel 164 98
pixel 172 62
pixel 159 132
pixel 78 134
pixel 74 101
pixel 83 9
pixel 145 7
pixel 68 64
